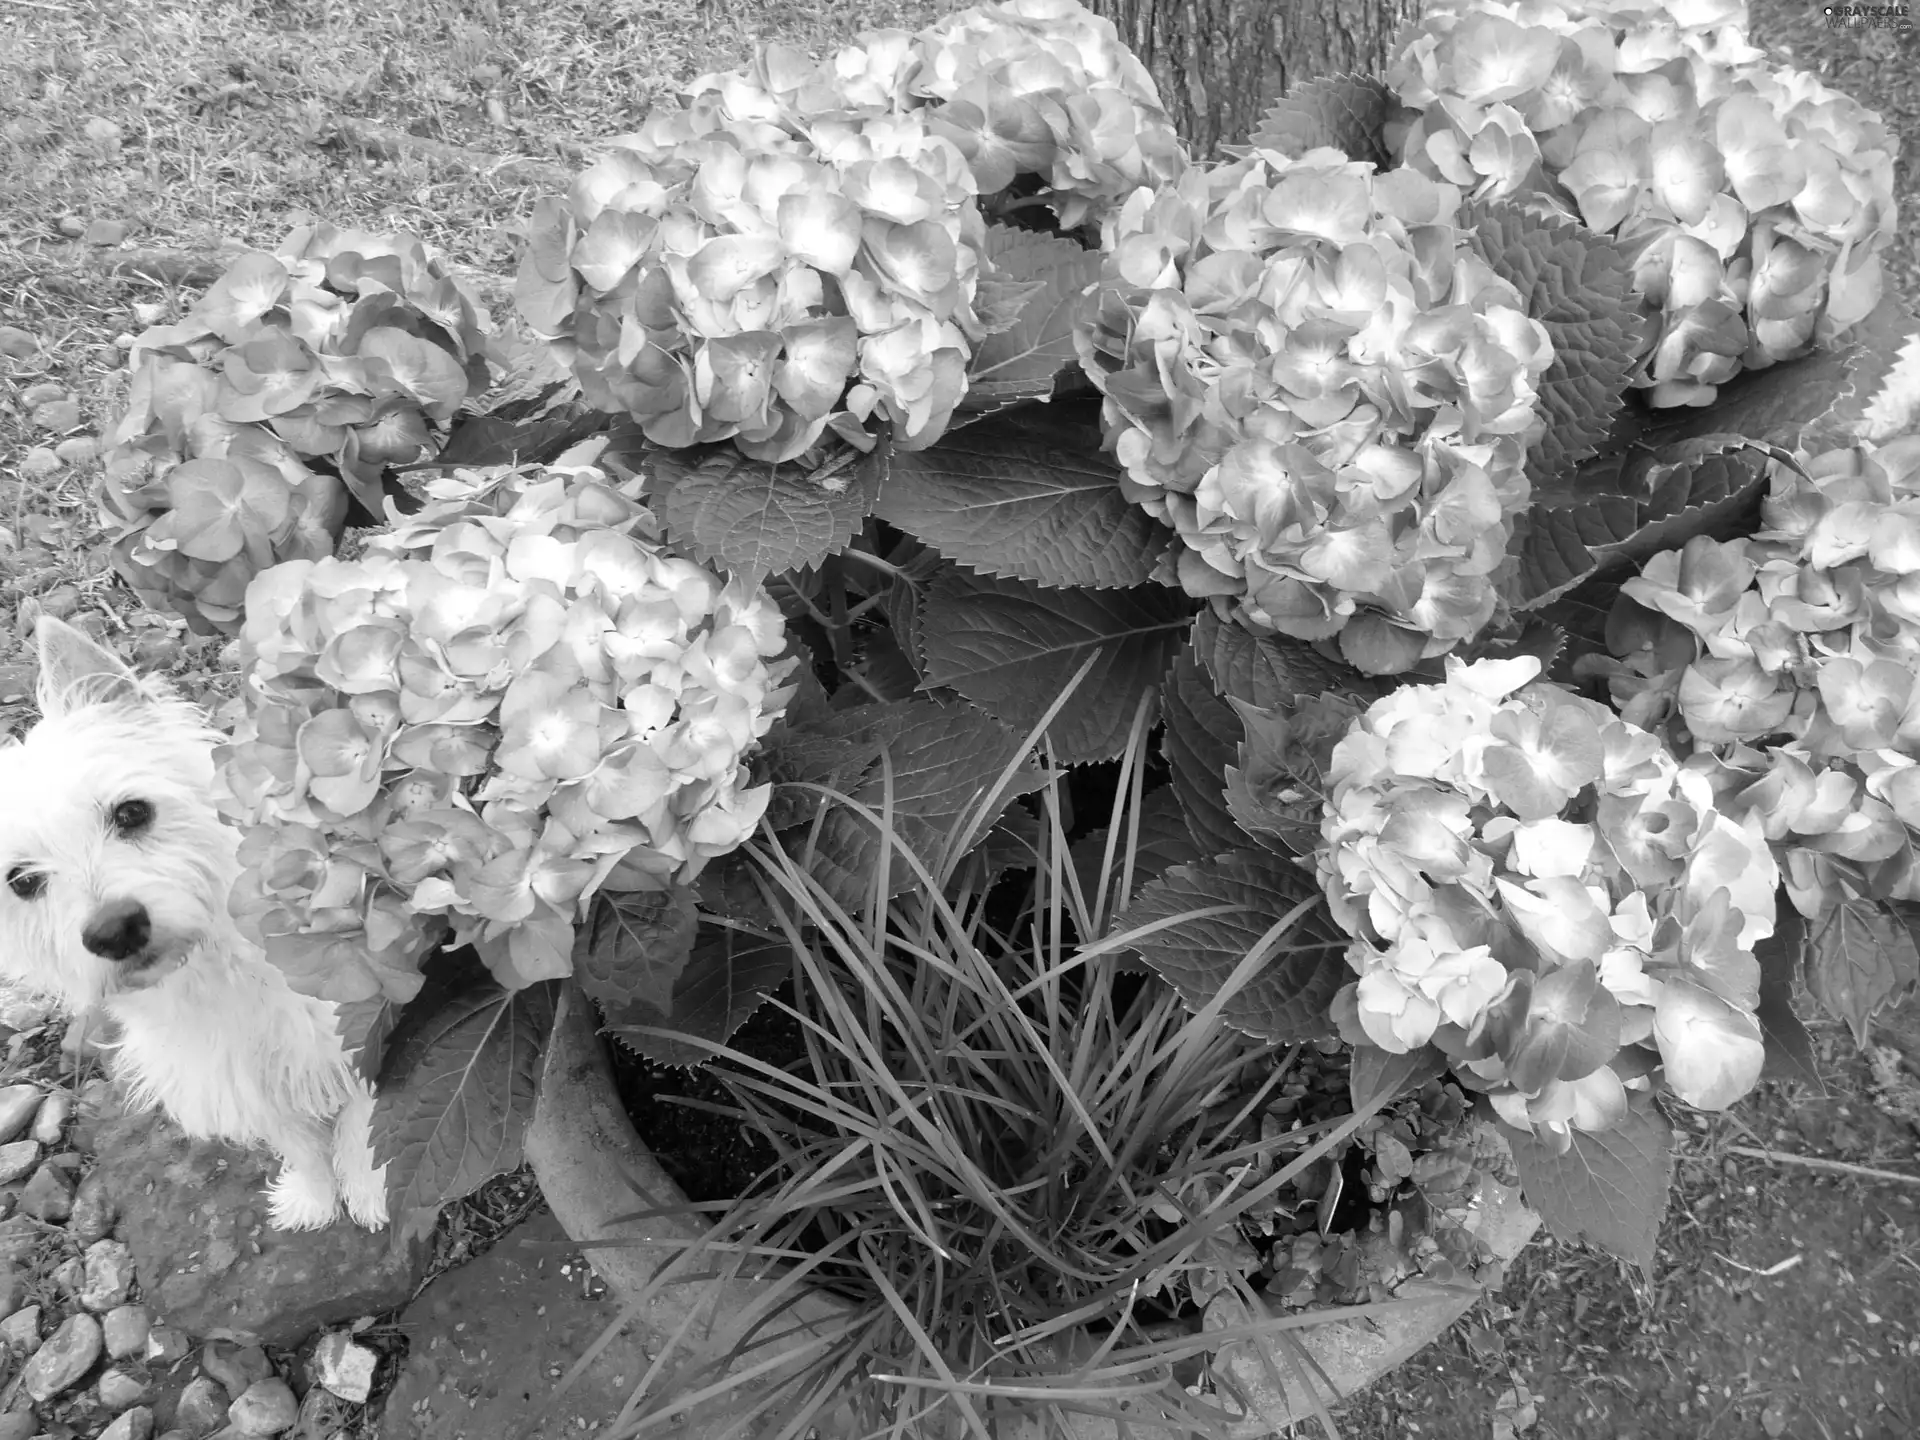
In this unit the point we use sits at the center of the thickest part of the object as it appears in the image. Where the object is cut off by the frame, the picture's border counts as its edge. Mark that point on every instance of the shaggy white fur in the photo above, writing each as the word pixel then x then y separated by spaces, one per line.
pixel 114 875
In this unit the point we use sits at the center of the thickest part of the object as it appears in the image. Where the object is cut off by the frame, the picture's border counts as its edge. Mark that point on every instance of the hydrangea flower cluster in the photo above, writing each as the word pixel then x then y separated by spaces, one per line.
pixel 343 350
pixel 1787 660
pixel 513 698
pixel 1541 890
pixel 798 250
pixel 1754 200
pixel 1313 379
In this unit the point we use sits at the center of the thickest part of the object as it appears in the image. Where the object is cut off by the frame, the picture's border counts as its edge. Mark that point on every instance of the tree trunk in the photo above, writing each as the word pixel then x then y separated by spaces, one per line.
pixel 1219 63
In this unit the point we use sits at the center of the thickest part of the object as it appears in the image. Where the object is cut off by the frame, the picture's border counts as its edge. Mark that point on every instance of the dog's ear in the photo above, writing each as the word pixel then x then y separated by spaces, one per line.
pixel 76 671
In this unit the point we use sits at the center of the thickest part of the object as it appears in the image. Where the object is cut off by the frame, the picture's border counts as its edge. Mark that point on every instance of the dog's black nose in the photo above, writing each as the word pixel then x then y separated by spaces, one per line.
pixel 119 930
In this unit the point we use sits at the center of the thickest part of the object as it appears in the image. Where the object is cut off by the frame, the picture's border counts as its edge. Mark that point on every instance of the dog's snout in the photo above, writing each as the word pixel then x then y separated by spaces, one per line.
pixel 119 930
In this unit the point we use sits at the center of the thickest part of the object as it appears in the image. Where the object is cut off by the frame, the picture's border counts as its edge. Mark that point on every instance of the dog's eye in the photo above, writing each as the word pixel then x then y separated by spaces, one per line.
pixel 27 884
pixel 130 817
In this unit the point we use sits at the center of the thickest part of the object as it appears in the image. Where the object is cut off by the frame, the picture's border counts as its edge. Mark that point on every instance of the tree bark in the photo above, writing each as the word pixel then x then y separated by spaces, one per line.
pixel 1219 63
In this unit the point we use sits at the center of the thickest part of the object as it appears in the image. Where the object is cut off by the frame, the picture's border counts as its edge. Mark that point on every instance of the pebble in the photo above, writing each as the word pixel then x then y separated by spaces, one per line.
pixel 344 1367
pixel 126 1329
pixel 18 1105
pixel 20 1331
pixel 18 344
pixel 235 1366
pixel 13 1289
pixel 50 1123
pixel 19 1238
pixel 57 415
pixel 77 449
pixel 72 226
pixel 120 1389
pixel 48 1196
pixel 166 1344
pixel 44 393
pixel 38 463
pixel 203 1407
pixel 17 1158
pixel 267 1408
pixel 109 1276
pixel 106 233
pixel 92 1215
pixel 69 1276
pixel 134 1424
pixel 62 1358
pixel 102 130
pixel 18 1426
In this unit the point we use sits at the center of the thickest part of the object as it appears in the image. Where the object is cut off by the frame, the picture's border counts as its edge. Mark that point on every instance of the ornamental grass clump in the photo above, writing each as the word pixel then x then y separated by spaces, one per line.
pixel 1542 891
pixel 1753 199
pixel 1312 377
pixel 512 699
pixel 298 379
pixel 1786 664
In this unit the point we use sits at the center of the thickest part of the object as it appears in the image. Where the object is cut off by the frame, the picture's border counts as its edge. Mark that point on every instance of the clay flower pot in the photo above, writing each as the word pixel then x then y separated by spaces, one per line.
pixel 596 1173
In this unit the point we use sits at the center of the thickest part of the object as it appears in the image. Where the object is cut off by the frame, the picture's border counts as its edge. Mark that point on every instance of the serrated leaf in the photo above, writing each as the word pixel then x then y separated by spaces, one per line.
pixel 1376 1077
pixel 365 1027
pixel 1162 840
pixel 1788 1045
pixel 1027 494
pixel 1608 1189
pixel 728 975
pixel 1860 958
pixel 1201 739
pixel 1009 646
pixel 939 760
pixel 1271 671
pixel 632 948
pixel 1344 111
pixel 1020 361
pixel 1289 998
pixel 454 1106
pixel 1618 509
pixel 1579 286
pixel 758 519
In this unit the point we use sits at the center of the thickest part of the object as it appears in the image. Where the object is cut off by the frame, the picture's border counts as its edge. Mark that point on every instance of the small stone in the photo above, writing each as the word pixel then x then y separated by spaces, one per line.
pixel 92 1216
pixel 38 463
pixel 21 1425
pixel 109 1276
pixel 18 344
pixel 202 1409
pixel 50 1123
pixel 237 1367
pixel 18 1105
pixel 157 652
pixel 48 1196
pixel 13 1289
pixel 267 1408
pixel 20 1331
pixel 59 416
pixel 77 449
pixel 148 312
pixel 72 226
pixel 343 1367
pixel 19 1239
pixel 119 1389
pixel 62 1359
pixel 69 1277
pixel 134 1424
pixel 44 393
pixel 102 130
pixel 17 1158
pixel 166 1344
pixel 106 233
pixel 126 1329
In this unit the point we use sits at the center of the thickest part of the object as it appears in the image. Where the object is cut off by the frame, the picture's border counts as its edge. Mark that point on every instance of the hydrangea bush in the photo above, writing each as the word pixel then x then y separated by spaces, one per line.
pixel 951 411
pixel 296 381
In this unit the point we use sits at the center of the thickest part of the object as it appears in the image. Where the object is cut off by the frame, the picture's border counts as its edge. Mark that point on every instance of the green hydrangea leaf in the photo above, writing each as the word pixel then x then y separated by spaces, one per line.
pixel 457 1092
pixel 1009 646
pixel 365 1026
pixel 1376 1077
pixel 1344 111
pixel 1860 958
pixel 758 519
pixel 1579 286
pixel 1201 738
pixel 1027 494
pixel 1020 359
pixel 1789 1046
pixel 727 975
pixel 1289 998
pixel 1608 1189
pixel 632 948
pixel 1271 671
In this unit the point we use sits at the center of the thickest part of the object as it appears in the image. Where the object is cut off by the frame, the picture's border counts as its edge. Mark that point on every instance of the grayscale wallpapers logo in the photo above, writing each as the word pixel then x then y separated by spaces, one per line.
pixel 1868 17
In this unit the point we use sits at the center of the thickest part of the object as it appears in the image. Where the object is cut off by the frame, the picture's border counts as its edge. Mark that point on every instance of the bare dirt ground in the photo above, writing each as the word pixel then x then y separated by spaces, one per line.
pixel 1786 1300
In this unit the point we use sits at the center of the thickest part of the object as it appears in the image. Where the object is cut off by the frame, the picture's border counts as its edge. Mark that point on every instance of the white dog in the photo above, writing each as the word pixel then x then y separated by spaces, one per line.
pixel 114 875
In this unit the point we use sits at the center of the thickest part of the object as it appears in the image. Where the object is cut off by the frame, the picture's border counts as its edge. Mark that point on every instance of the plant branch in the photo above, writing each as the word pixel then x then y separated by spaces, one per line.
pixel 1814 1162
pixel 394 144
